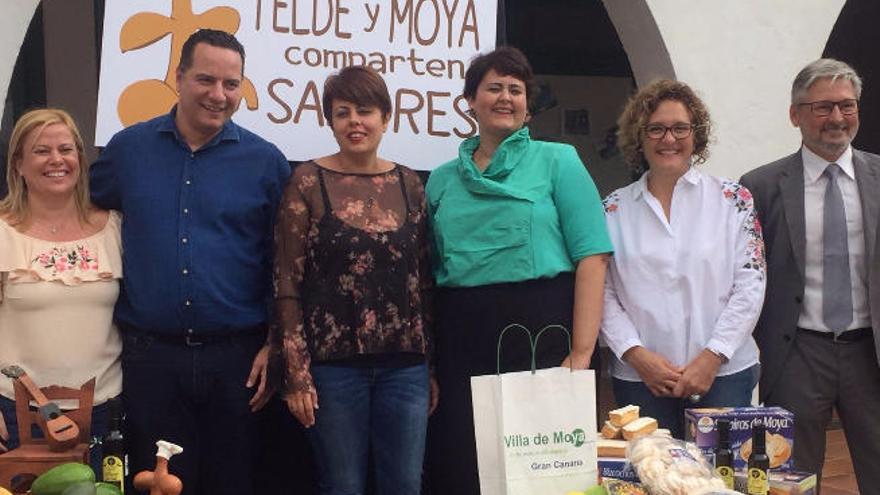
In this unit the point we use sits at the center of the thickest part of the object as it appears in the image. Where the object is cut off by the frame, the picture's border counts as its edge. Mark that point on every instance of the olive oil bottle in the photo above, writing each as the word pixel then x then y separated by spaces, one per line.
pixel 759 463
pixel 114 465
pixel 723 453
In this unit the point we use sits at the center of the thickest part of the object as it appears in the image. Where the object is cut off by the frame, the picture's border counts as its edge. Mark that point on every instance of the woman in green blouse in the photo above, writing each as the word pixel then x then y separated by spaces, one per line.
pixel 519 237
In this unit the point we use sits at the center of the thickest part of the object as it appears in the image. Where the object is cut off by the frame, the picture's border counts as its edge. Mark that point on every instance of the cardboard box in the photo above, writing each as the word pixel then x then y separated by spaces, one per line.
pixel 783 483
pixel 700 429
pixel 616 468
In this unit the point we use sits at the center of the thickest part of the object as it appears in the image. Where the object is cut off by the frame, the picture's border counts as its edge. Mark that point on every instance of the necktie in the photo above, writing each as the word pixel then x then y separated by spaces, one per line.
pixel 837 307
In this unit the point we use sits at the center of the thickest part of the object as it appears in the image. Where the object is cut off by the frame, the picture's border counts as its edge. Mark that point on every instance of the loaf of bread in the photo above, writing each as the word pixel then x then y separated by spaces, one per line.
pixel 611 448
pixel 639 428
pixel 778 449
pixel 610 431
pixel 672 467
pixel 623 415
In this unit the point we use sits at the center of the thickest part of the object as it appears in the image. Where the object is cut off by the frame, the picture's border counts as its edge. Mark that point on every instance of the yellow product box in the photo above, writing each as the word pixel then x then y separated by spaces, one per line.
pixel 783 483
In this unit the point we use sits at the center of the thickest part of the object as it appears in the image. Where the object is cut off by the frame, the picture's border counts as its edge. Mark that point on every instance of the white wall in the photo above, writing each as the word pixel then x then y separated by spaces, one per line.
pixel 15 16
pixel 740 56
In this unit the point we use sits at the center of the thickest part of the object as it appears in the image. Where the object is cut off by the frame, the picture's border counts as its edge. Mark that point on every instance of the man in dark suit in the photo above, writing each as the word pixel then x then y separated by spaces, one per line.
pixel 819 209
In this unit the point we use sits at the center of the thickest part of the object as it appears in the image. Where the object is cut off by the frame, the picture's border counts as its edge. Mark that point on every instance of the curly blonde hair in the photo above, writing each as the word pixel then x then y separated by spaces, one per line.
pixel 15 204
pixel 644 103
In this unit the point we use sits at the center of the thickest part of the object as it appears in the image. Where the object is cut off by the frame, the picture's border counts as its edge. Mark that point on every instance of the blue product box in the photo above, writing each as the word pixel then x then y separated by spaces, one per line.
pixel 616 468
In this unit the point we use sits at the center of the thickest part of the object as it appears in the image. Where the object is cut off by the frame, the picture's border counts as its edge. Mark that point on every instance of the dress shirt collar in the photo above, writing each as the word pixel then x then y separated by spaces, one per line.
pixel 228 133
pixel 814 165
pixel 692 176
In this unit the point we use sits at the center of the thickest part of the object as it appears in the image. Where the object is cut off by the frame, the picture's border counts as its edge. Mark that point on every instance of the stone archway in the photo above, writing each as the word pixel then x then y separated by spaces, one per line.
pixel 739 56
pixel 641 38
pixel 585 78
pixel 55 49
pixel 13 27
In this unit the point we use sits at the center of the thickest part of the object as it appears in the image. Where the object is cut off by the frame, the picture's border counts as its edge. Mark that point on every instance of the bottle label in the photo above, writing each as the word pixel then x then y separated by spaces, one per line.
pixel 726 474
pixel 113 471
pixel 758 483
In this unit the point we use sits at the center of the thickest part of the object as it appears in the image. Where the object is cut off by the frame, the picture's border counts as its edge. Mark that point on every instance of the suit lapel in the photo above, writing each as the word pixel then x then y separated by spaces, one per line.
pixel 869 186
pixel 868 181
pixel 791 190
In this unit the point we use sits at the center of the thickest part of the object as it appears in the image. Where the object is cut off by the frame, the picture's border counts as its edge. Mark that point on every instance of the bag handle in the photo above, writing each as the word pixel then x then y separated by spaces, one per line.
pixel 538 336
pixel 533 343
pixel 501 338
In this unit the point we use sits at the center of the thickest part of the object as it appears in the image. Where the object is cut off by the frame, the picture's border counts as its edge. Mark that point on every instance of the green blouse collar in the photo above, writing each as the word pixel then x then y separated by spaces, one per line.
pixel 511 151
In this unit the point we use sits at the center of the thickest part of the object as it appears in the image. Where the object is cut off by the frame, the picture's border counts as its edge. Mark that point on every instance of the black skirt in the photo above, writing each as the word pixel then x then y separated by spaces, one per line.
pixel 469 321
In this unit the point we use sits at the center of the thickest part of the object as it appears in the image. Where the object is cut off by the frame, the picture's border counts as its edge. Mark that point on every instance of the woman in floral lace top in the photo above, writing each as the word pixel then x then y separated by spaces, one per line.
pixel 351 285
pixel 59 269
pixel 686 284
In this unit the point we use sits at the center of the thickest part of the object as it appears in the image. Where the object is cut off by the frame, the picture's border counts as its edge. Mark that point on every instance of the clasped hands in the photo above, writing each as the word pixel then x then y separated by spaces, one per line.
pixel 664 379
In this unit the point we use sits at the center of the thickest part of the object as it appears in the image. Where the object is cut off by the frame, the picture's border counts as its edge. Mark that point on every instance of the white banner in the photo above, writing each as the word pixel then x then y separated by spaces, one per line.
pixel 421 47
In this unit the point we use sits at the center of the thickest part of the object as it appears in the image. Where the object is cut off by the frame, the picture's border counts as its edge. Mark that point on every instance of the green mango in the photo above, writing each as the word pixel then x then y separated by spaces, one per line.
pixel 596 490
pixel 107 489
pixel 81 488
pixel 59 478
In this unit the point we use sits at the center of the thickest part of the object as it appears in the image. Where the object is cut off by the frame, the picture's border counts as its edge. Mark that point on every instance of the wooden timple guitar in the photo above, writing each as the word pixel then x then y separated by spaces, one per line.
pixel 4 434
pixel 60 431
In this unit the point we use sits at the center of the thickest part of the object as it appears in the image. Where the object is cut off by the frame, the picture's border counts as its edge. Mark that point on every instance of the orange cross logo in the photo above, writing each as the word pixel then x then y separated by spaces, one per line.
pixel 143 100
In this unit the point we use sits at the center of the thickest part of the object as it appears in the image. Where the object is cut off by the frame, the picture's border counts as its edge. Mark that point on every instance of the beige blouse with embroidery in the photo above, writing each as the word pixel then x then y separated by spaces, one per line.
pixel 56 309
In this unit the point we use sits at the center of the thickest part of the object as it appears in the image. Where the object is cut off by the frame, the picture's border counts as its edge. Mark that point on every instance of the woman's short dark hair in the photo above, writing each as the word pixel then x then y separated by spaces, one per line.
pixel 506 61
pixel 644 103
pixel 358 84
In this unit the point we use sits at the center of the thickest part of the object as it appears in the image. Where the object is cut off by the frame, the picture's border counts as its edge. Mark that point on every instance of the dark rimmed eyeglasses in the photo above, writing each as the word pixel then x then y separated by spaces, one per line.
pixel 678 131
pixel 824 108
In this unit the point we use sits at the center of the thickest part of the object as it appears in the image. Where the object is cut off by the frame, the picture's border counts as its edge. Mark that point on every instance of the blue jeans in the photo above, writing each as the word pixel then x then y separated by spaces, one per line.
pixel 194 397
pixel 367 411
pixel 100 420
pixel 727 391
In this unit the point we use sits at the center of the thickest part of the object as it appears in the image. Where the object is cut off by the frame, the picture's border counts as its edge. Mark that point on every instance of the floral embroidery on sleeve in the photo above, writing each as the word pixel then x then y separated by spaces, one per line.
pixel 741 198
pixel 611 202
pixel 738 195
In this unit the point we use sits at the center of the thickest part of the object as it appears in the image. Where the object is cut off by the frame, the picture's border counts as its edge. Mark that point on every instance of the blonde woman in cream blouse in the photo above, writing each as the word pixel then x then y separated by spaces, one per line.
pixel 59 268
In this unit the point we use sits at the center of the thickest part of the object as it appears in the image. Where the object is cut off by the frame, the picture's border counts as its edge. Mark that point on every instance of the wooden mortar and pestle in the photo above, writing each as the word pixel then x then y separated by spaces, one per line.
pixel 160 481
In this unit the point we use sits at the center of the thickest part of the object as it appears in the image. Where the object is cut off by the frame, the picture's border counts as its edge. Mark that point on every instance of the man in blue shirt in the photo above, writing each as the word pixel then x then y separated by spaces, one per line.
pixel 198 196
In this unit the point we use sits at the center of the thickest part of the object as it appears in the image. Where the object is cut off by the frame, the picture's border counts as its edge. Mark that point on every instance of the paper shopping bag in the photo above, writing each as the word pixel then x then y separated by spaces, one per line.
pixel 535 431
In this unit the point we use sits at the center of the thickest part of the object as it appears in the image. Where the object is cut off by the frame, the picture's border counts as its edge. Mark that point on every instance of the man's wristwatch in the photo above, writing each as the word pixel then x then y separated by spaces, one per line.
pixel 720 355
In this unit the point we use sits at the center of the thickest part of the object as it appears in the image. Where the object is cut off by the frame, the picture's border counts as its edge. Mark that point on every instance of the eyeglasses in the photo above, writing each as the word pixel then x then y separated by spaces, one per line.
pixel 658 131
pixel 824 108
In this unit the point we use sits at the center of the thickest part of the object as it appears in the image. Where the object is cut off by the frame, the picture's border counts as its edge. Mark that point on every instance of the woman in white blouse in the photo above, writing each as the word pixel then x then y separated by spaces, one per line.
pixel 59 269
pixel 686 283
